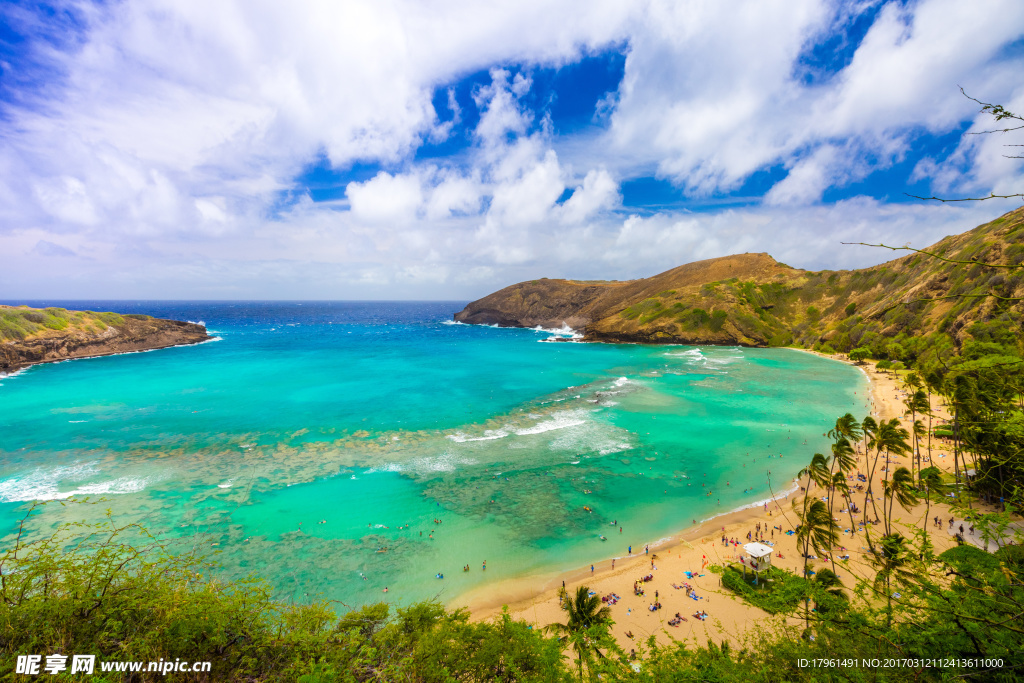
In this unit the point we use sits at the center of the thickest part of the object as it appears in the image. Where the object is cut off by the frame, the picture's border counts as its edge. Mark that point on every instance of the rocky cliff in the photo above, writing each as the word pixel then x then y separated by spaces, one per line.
pixel 753 300
pixel 29 335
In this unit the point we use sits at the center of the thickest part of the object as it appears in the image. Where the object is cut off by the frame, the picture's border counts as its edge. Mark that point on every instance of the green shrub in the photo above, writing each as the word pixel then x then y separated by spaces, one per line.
pixel 718 319
pixel 777 592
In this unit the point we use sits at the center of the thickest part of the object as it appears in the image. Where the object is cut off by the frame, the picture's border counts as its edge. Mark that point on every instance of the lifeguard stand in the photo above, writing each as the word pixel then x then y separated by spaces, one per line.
pixel 759 557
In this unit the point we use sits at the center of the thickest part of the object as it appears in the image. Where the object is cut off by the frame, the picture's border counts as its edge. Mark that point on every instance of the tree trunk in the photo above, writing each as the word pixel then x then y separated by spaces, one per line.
pixel 930 461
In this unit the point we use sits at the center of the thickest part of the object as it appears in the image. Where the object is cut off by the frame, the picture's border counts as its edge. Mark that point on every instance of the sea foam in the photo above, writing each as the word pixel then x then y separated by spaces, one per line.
pixel 45 484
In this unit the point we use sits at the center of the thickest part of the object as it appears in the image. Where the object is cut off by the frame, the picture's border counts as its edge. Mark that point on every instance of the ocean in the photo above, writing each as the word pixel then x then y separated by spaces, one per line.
pixel 335 449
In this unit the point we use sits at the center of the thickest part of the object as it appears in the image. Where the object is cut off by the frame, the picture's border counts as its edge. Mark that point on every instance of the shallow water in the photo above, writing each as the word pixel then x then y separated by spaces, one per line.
pixel 315 444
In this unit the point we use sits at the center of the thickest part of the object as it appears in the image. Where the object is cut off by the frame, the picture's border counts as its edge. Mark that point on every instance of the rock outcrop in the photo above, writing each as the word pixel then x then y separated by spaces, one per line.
pixel 32 336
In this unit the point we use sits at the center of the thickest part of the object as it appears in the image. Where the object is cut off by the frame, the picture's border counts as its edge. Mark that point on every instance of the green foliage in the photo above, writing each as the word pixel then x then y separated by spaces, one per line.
pixel 117 593
pixel 860 354
pixel 777 591
pixel 694 318
pixel 23 322
pixel 717 321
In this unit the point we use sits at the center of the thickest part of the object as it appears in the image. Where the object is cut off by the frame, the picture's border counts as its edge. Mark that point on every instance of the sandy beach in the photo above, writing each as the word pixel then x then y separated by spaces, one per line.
pixel 697 547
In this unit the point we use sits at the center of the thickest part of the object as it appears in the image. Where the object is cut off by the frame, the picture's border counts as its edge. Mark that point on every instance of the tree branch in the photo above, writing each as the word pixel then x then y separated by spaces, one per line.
pixel 942 258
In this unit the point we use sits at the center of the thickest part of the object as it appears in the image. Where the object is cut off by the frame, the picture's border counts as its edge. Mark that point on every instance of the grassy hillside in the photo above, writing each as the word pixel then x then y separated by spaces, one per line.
pixel 753 300
pixel 40 335
pixel 20 323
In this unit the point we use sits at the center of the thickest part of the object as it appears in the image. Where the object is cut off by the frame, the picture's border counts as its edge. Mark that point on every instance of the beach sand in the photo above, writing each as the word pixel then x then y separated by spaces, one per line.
pixel 537 599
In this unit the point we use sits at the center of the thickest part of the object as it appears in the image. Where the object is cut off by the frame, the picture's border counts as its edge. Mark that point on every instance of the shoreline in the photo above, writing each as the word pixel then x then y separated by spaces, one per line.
pixel 19 369
pixel 535 597
pixel 490 606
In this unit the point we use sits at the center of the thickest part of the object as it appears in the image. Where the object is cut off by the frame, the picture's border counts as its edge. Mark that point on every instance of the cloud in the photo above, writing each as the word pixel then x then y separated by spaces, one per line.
pixel 47 248
pixel 167 139
pixel 599 192
pixel 385 198
pixel 710 93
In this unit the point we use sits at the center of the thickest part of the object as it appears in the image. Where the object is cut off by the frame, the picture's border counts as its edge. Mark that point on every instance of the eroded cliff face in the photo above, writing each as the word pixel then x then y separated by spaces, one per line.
pixel 132 333
pixel 602 310
pixel 548 303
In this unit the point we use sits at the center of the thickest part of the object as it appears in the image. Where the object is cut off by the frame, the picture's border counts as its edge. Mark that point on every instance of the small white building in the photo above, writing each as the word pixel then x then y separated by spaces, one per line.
pixel 759 558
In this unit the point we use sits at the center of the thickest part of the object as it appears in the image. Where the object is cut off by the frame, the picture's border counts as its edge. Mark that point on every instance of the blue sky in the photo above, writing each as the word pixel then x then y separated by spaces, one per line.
pixel 390 149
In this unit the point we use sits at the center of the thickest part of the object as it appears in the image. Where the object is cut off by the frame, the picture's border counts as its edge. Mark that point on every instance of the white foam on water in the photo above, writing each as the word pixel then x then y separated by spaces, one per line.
pixel 769 501
pixel 563 420
pixel 9 375
pixel 615 448
pixel 389 467
pixel 489 435
pixel 225 485
pixel 558 333
pixel 444 462
pixel 459 322
pixel 563 331
pixel 621 382
pixel 76 421
pixel 45 484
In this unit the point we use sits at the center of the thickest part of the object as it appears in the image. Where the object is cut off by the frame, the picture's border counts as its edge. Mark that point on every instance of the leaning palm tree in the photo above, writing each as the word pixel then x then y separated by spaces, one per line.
pixel 893 562
pixel 843 460
pixel 831 593
pixel 586 619
pixel 843 456
pixel 817 472
pixel 868 427
pixel 839 485
pixel 900 488
pixel 891 438
pixel 917 405
pixel 817 531
pixel 846 427
pixel 931 482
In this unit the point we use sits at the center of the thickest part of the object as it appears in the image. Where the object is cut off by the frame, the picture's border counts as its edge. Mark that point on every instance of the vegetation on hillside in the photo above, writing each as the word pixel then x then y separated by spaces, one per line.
pixel 889 309
pixel 19 323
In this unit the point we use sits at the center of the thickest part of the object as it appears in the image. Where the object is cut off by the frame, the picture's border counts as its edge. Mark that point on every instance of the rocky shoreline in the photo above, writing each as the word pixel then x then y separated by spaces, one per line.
pixel 133 333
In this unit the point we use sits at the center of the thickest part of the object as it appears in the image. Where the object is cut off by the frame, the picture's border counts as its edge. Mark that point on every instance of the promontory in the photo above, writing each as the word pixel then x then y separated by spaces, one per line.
pixel 43 335
pixel 969 285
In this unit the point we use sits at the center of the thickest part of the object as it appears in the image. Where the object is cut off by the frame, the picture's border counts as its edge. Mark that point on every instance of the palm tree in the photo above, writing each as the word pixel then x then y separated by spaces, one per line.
pixel 899 488
pixel 831 588
pixel 817 531
pixel 587 620
pixel 917 403
pixel 839 484
pixel 892 438
pixel 817 472
pixel 917 429
pixel 844 460
pixel 846 427
pixel 931 482
pixel 932 382
pixel 868 427
pixel 893 561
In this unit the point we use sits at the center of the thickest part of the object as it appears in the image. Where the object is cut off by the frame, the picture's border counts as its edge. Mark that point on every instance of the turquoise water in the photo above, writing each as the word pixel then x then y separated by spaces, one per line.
pixel 339 448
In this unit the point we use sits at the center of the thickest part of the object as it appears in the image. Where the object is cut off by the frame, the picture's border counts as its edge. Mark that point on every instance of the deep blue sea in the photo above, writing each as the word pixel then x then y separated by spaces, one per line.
pixel 337 448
